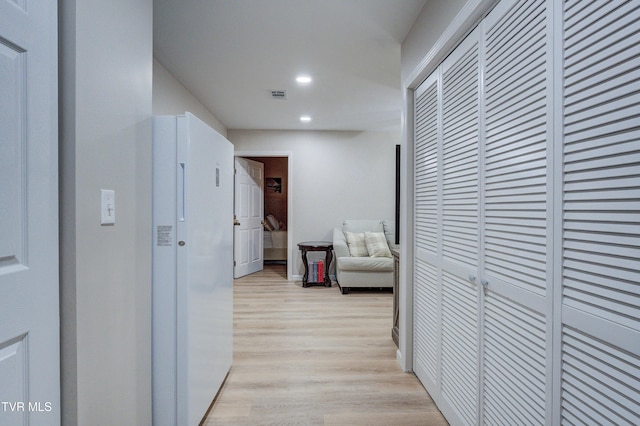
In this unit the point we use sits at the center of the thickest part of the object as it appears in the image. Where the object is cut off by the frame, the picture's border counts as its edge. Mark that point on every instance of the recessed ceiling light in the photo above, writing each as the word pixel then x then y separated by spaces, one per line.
pixel 303 79
pixel 305 118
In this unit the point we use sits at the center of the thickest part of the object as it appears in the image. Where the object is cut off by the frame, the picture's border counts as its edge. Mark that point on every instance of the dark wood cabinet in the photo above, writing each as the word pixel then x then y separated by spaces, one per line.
pixel 395 330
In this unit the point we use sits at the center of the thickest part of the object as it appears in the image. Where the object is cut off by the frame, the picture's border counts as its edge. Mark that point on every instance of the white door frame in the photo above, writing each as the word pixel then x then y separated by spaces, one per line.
pixel 290 218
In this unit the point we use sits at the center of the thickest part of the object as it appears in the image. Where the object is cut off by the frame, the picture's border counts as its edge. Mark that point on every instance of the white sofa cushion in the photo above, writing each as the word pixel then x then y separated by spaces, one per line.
pixel 376 243
pixel 371 264
pixel 356 243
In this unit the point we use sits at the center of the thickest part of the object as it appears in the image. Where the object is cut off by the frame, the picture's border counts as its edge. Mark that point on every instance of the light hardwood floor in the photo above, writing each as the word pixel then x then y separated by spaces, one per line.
pixel 312 356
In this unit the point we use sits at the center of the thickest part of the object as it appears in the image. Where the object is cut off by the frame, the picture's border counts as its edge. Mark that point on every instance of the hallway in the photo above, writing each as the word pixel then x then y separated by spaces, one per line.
pixel 311 356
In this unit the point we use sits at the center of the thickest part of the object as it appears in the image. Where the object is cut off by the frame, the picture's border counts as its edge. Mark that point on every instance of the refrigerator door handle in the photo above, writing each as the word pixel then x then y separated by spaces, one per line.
pixel 181 192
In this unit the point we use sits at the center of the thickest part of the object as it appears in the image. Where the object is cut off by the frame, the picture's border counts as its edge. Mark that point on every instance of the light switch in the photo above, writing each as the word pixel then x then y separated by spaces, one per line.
pixel 107 207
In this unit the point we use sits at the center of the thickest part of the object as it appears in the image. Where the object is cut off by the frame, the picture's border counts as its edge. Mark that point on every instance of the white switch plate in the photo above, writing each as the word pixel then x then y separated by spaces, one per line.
pixel 107 207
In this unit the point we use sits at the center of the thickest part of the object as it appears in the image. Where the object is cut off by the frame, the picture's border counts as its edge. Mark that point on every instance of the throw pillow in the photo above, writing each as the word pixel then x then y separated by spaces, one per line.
pixel 275 225
pixel 356 243
pixel 377 244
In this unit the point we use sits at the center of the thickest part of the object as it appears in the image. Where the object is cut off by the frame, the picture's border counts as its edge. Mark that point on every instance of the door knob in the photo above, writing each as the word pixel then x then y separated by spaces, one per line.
pixel 472 278
pixel 236 222
pixel 484 283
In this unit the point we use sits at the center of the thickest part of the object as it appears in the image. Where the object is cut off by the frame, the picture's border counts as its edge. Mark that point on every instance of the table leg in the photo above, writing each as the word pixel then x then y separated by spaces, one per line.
pixel 306 267
pixel 327 263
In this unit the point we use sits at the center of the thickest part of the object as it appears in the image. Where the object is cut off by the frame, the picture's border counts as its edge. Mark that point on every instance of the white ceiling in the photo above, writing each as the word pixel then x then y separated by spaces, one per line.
pixel 231 53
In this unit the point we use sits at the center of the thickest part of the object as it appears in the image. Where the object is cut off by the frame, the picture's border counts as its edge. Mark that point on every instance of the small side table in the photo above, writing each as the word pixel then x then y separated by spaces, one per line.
pixel 324 246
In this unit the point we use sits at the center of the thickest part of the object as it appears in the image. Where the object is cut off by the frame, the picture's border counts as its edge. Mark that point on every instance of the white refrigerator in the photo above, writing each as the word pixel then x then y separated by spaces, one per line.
pixel 192 267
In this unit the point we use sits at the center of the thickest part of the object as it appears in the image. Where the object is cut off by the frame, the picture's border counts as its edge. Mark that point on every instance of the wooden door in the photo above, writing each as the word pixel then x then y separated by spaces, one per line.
pixel 29 318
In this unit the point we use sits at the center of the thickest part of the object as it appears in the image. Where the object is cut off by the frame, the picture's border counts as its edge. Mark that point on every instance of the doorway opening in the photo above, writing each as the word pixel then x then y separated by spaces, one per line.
pixel 278 223
pixel 276 177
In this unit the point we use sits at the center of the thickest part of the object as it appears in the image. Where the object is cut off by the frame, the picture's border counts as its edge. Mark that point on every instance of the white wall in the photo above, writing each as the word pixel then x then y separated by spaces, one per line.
pixel 435 17
pixel 170 97
pixel 106 81
pixel 334 176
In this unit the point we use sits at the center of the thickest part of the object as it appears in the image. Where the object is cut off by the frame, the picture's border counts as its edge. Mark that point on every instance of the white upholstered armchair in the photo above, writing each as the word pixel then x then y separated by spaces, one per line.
pixel 362 251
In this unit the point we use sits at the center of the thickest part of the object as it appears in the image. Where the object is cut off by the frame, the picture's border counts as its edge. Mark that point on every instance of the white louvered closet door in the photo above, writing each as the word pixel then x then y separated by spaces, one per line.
pixel 517 241
pixel 459 237
pixel 446 300
pixel 600 327
pixel 527 181
pixel 427 273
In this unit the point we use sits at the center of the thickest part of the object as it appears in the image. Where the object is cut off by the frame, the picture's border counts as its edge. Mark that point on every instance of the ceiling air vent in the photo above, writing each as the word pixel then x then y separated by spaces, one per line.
pixel 278 94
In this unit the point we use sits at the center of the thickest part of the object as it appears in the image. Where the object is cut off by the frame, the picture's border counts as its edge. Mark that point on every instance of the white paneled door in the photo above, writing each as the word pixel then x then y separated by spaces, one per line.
pixel 29 315
pixel 248 217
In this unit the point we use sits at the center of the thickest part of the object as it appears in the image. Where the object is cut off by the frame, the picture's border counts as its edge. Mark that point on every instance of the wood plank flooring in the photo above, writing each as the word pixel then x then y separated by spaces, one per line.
pixel 312 356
